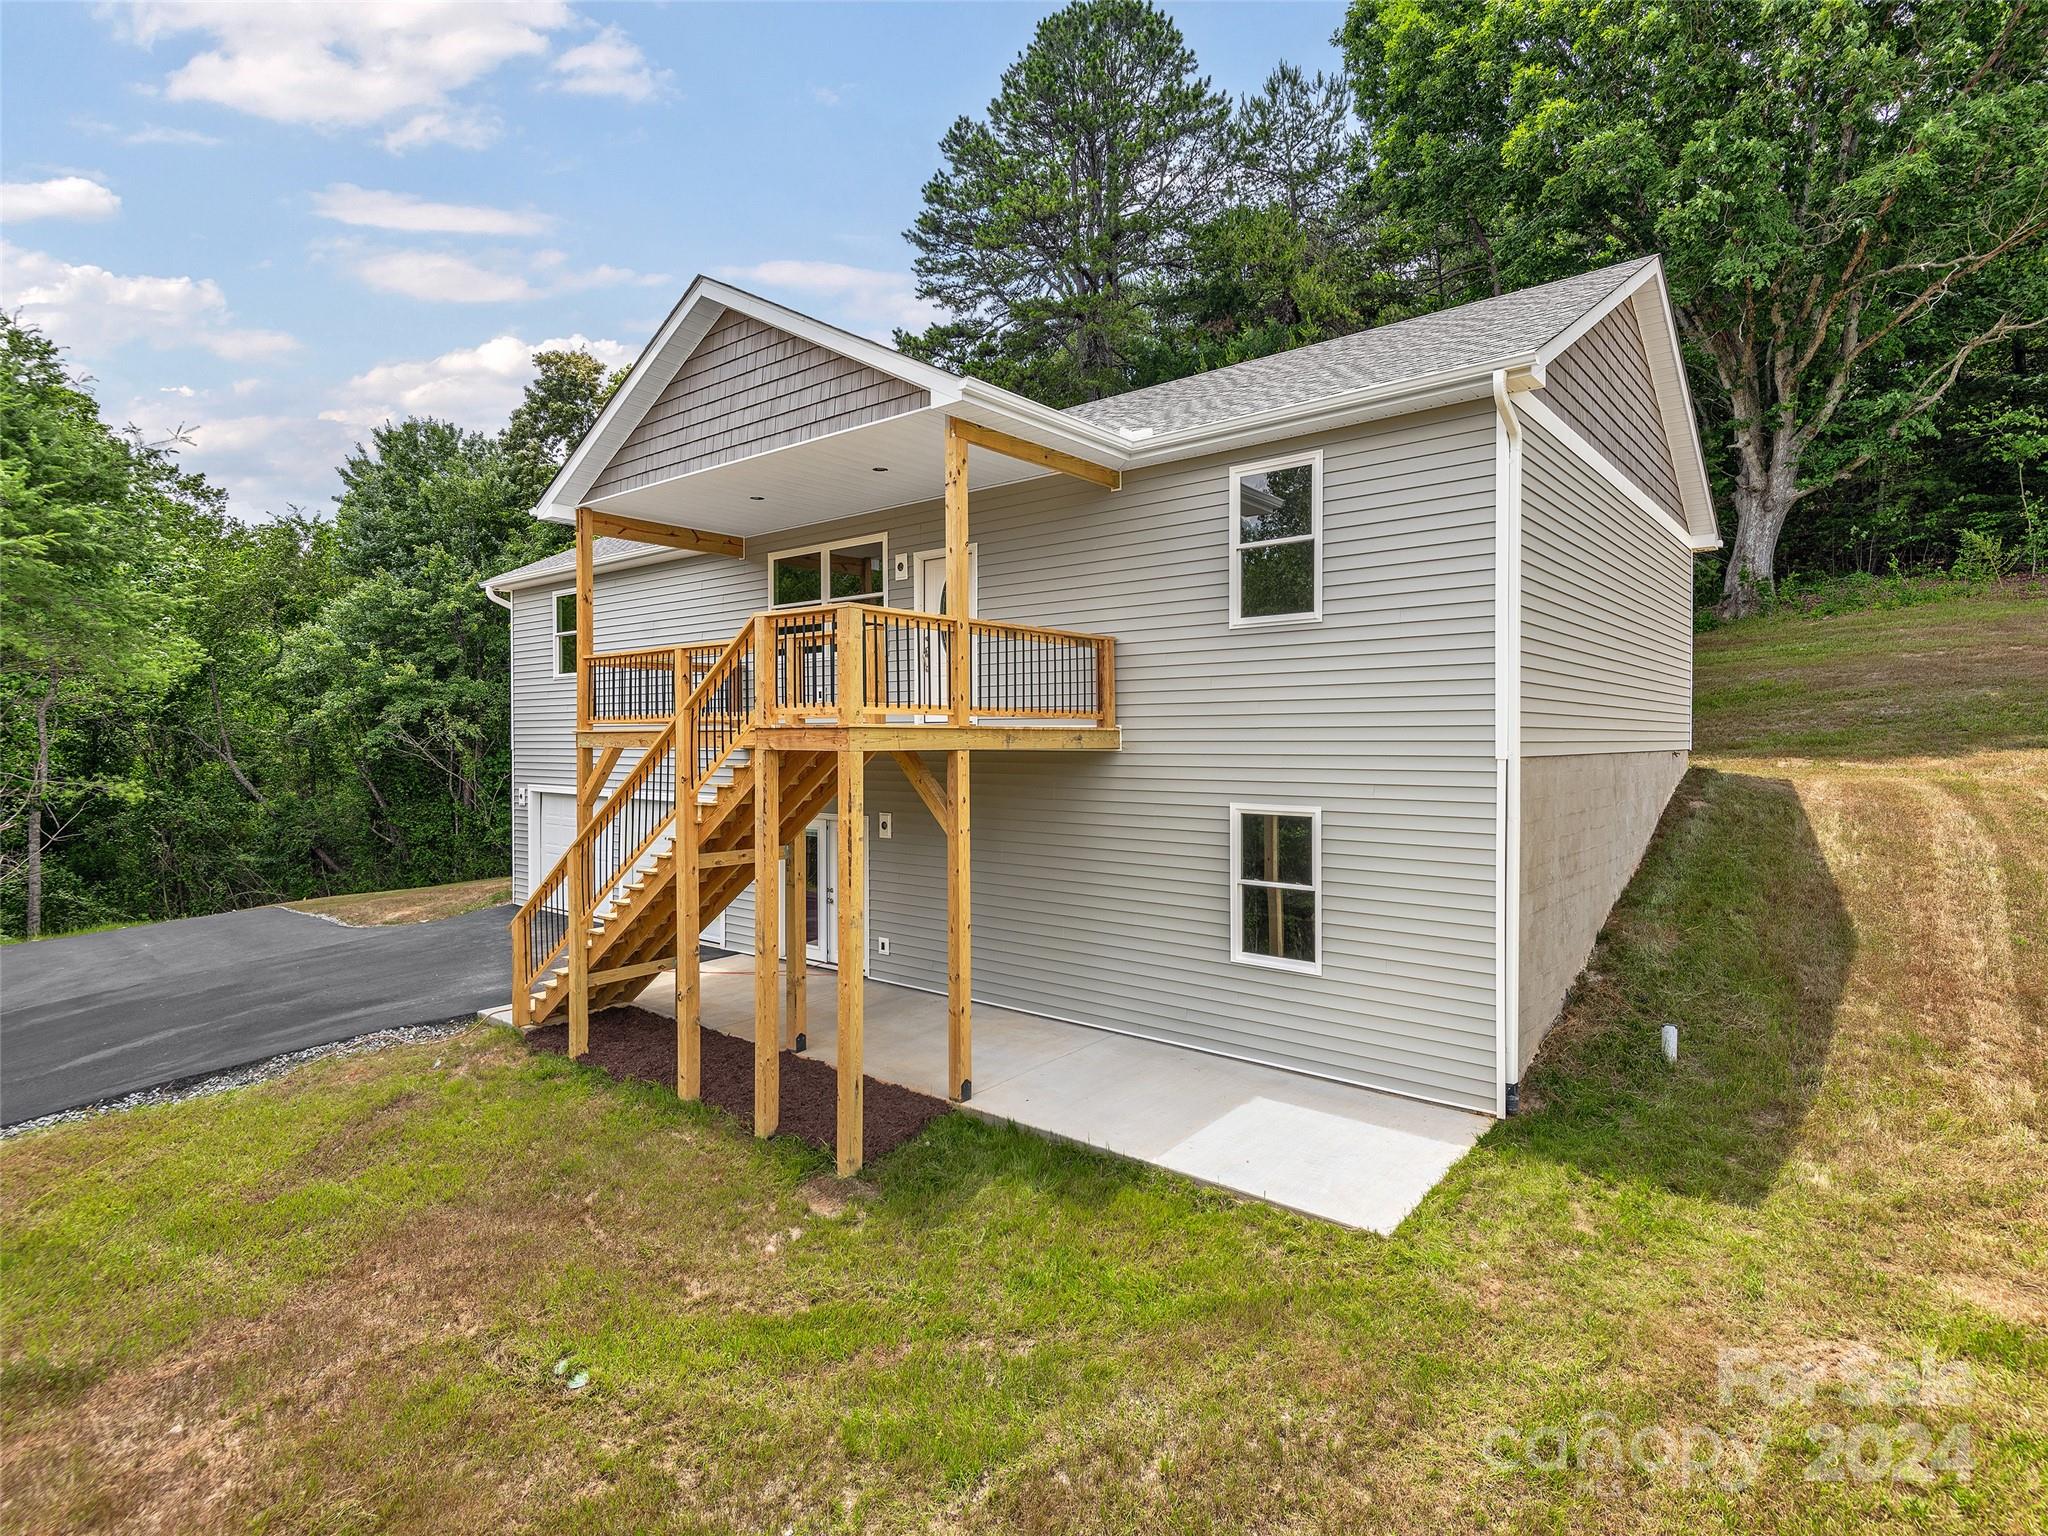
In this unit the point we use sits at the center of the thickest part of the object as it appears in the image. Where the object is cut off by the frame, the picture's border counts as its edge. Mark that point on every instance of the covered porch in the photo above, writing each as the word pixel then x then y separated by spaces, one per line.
pixel 1342 1153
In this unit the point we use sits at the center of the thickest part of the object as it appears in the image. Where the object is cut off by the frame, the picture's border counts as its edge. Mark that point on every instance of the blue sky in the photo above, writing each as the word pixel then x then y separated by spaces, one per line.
pixel 279 225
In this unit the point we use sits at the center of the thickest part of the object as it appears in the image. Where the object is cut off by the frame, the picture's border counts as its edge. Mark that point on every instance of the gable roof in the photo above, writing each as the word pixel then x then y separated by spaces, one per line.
pixel 604 552
pixel 1433 359
pixel 1476 337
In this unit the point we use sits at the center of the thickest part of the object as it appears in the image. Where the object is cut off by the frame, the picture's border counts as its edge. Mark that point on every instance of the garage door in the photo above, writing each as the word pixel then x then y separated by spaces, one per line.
pixel 554 822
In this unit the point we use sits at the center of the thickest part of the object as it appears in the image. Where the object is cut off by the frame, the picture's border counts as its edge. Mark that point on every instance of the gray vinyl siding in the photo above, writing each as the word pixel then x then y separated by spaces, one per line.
pixel 1606 614
pixel 1102 890
pixel 1601 386
pixel 749 387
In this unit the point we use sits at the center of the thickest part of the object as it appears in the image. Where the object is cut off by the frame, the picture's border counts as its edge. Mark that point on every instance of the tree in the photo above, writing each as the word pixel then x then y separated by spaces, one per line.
pixel 1102 149
pixel 1836 189
pixel 1296 257
pixel 80 627
pixel 567 394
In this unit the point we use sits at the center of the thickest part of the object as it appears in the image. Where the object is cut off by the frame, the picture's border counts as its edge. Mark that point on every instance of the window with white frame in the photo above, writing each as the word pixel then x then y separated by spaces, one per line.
pixel 1276 541
pixel 1276 878
pixel 565 634
pixel 847 572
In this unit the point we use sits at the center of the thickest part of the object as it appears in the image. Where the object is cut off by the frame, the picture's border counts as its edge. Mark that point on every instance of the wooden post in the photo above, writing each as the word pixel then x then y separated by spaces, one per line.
pixel 522 971
pixel 579 954
pixel 958 684
pixel 959 928
pixel 767 1042
pixel 796 877
pixel 689 920
pixel 853 858
pixel 765 692
pixel 850 658
pixel 1105 681
pixel 689 923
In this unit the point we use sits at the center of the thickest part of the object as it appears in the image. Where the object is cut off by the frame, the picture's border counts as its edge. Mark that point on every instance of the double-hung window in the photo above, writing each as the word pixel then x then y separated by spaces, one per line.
pixel 1276 878
pixel 565 634
pixel 1276 541
pixel 850 572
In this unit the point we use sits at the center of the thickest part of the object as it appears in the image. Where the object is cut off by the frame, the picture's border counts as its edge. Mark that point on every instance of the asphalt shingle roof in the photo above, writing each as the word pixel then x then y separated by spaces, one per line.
pixel 603 551
pixel 1467 337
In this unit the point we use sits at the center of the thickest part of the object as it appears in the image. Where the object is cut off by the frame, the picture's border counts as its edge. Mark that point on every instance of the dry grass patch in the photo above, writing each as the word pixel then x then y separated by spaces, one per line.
pixel 422 904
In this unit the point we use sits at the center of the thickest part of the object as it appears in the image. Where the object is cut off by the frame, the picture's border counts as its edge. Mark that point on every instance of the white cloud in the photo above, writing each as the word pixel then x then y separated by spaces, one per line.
pixel 61 197
pixel 445 277
pixel 471 386
pixel 90 308
pixel 349 65
pixel 440 278
pixel 349 204
pixel 460 128
pixel 862 299
pixel 152 133
pixel 826 95
pixel 177 389
pixel 610 64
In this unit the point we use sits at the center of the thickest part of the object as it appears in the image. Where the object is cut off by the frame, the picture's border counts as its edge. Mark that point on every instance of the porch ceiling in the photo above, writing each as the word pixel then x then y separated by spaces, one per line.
pixel 821 480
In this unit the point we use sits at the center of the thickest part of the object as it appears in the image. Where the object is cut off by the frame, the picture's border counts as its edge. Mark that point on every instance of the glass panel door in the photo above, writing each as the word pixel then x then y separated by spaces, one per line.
pixel 821 892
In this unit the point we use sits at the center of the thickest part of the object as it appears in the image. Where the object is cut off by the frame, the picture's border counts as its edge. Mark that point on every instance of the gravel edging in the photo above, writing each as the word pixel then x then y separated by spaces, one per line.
pixel 206 1084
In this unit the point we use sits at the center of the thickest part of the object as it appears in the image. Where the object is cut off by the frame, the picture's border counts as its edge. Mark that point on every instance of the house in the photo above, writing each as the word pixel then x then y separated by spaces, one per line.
pixel 1311 711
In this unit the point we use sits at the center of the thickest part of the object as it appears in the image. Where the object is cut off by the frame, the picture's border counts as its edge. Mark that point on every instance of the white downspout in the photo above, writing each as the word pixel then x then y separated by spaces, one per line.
pixel 1507 737
pixel 496 596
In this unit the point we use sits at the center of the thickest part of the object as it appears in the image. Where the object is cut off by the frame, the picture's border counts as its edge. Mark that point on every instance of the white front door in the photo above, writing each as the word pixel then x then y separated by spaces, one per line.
pixel 931 598
pixel 821 890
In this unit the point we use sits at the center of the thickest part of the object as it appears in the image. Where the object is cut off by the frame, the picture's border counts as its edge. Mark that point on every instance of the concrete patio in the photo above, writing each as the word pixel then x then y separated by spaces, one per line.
pixel 1345 1154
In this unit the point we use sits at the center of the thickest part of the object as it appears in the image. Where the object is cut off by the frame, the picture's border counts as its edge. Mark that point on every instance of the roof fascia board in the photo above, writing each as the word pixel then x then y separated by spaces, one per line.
pixel 581 469
pixel 1586 453
pixel 615 563
pixel 1659 327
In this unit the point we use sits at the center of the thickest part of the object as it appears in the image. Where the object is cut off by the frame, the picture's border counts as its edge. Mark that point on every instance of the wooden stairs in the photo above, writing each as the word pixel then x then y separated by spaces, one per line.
pixel 634 929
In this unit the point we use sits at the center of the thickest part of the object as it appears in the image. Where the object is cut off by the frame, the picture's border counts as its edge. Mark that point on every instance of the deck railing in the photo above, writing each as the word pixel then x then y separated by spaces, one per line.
pixel 639 687
pixel 838 663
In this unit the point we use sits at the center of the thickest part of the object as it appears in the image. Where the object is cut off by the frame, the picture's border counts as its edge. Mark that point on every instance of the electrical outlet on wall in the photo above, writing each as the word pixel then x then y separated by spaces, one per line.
pixel 881 945
pixel 885 825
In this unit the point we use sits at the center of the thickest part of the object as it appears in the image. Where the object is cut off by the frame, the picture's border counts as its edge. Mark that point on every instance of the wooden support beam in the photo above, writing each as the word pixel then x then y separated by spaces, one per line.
pixel 796 934
pixel 1035 453
pixel 632 972
pixel 593 786
pixel 689 980
pixel 853 949
pixel 960 928
pixel 522 969
pixel 605 737
pixel 944 738
pixel 928 787
pixel 767 1042
pixel 585 621
pixel 579 957
pixel 959 683
pixel 729 858
pixel 613 525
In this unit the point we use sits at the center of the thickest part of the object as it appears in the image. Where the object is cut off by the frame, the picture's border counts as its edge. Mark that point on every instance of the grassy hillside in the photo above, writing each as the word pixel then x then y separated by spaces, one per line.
pixel 364 1297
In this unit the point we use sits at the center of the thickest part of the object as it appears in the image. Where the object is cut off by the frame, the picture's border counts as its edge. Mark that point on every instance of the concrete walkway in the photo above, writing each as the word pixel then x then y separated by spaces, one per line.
pixel 1346 1154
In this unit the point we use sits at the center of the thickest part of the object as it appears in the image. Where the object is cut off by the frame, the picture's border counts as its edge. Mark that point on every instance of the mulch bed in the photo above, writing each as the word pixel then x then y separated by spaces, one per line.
pixel 633 1042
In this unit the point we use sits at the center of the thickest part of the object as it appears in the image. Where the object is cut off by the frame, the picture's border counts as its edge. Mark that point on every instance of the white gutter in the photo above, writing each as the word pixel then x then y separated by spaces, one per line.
pixel 496 596
pixel 1507 737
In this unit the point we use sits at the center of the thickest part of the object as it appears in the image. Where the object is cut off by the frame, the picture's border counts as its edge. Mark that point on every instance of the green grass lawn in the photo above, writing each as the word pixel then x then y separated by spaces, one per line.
pixel 358 1298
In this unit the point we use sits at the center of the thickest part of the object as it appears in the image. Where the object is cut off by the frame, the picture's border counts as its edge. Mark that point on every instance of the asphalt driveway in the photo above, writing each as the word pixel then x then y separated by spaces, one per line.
pixel 98 1015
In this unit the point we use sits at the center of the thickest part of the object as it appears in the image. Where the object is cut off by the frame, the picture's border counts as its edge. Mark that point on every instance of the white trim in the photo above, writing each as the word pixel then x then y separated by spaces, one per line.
pixel 1314 537
pixel 1674 405
pixel 534 868
pixel 1507 735
pixel 1576 332
pixel 652 555
pixel 824 552
pixel 1591 456
pixel 919 556
pixel 1238 811
pixel 556 632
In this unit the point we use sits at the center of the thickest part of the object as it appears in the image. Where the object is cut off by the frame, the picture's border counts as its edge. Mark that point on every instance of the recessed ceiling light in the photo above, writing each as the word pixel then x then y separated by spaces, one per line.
pixel 757 498
pixel 881 469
